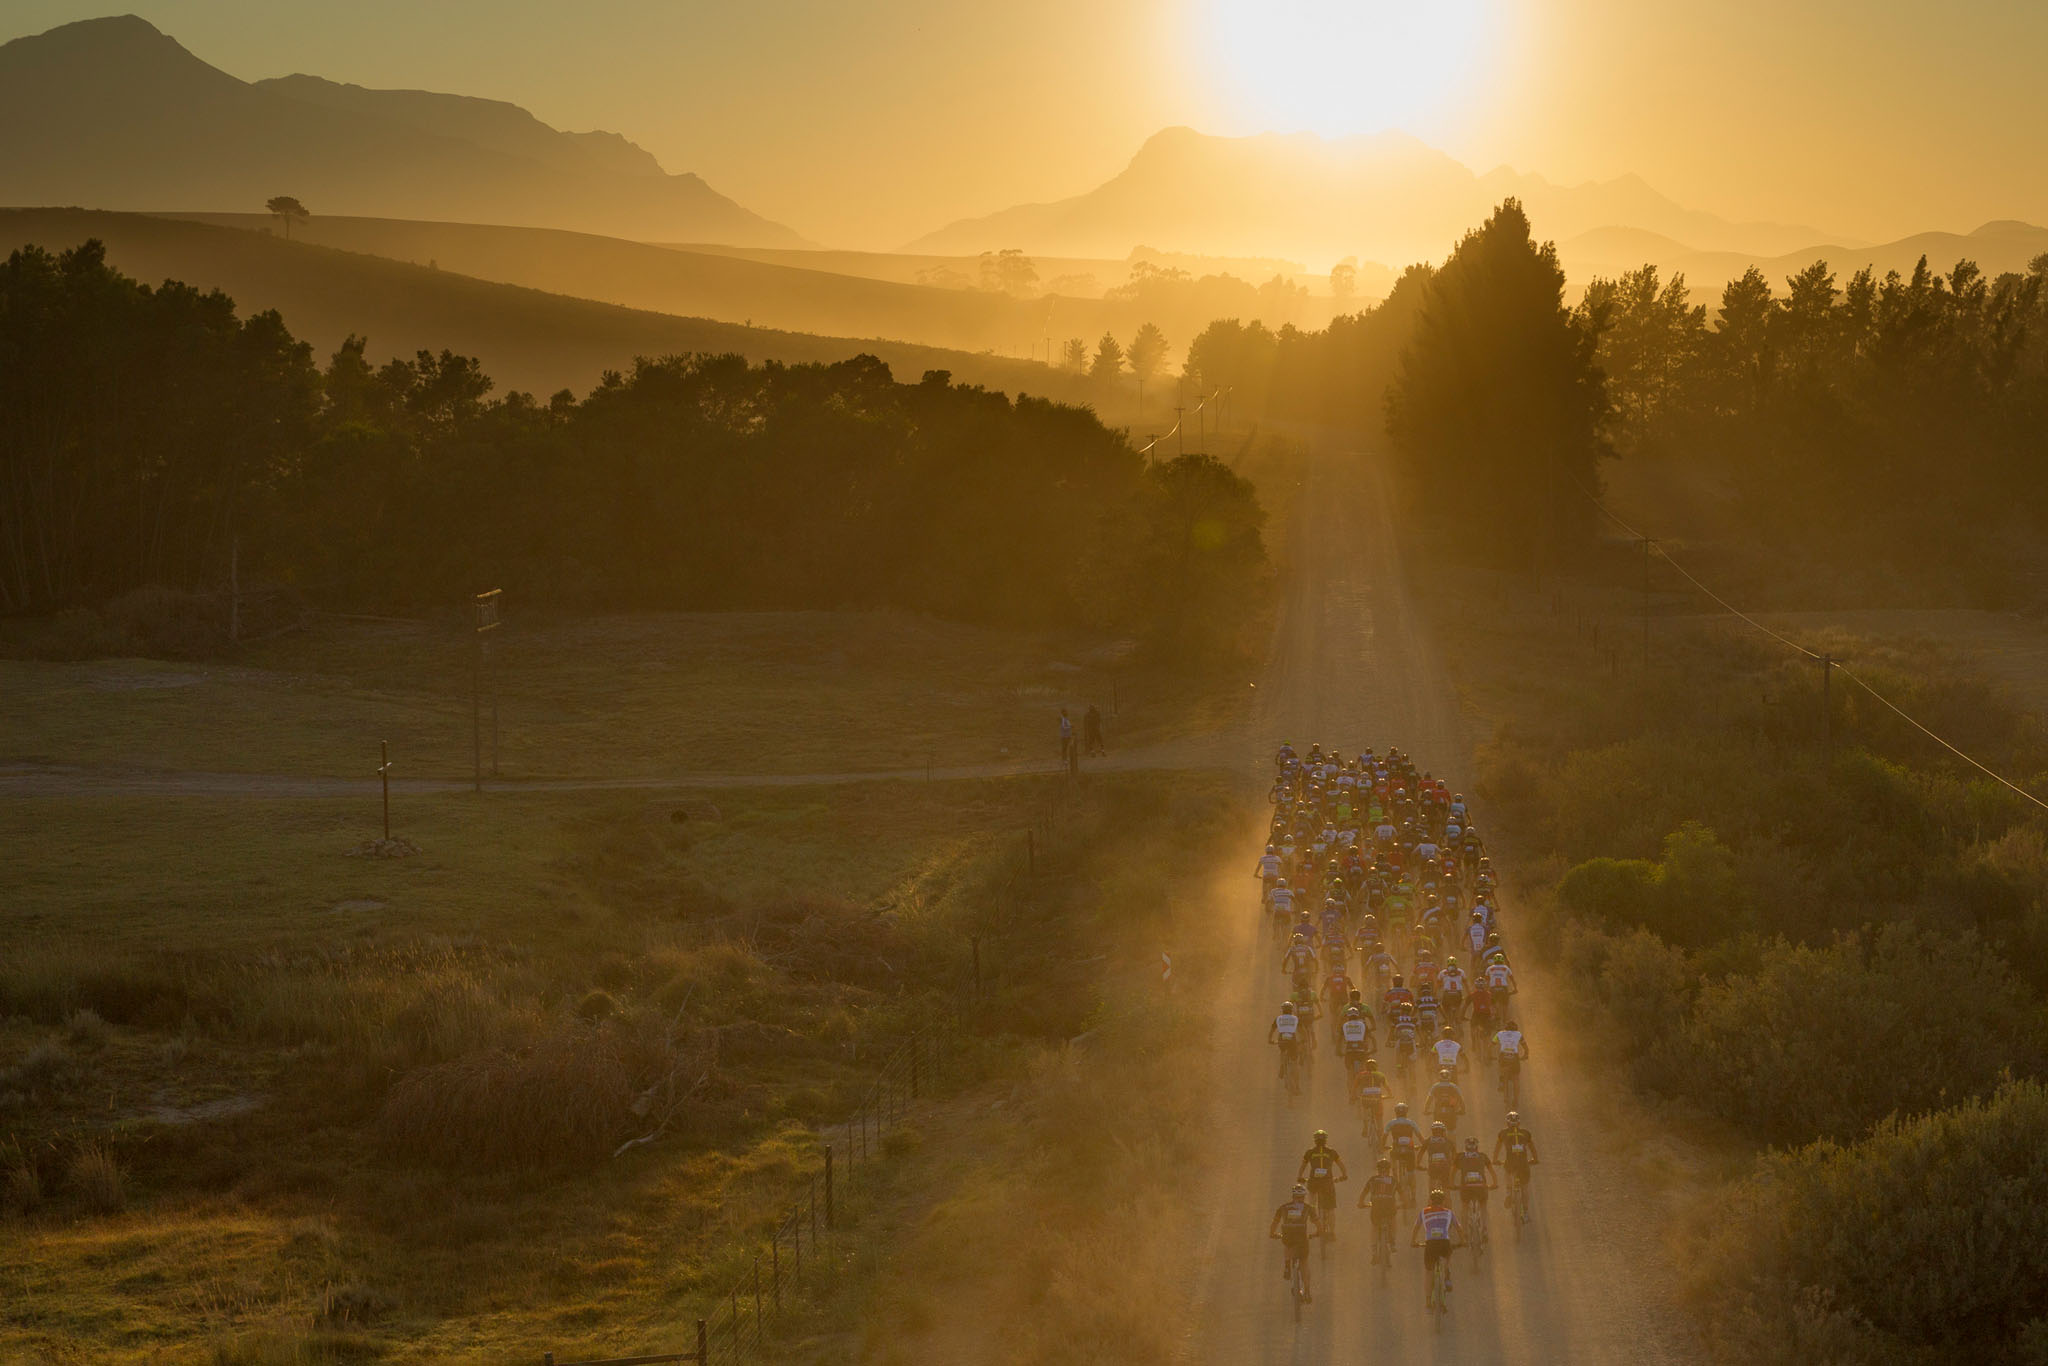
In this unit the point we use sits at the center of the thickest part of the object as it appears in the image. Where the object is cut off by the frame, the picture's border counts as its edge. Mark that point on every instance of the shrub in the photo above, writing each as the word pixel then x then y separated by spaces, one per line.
pixel 22 1192
pixel 1926 1241
pixel 43 1071
pixel 86 1029
pixel 568 1098
pixel 96 1178
pixel 1825 1042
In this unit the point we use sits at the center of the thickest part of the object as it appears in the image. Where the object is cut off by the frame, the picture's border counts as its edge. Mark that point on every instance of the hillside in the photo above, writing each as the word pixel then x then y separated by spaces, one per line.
pixel 115 114
pixel 1384 197
pixel 527 339
pixel 759 289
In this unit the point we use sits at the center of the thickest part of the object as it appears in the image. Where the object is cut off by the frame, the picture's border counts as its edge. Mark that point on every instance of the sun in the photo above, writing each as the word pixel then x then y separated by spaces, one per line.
pixel 1338 67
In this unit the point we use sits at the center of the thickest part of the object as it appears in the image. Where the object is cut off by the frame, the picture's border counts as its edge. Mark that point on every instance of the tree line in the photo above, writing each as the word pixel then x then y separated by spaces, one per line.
pixel 148 436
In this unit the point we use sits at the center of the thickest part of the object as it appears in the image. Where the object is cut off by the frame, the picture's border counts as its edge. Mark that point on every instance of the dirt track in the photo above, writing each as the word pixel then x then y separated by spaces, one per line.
pixel 1585 1284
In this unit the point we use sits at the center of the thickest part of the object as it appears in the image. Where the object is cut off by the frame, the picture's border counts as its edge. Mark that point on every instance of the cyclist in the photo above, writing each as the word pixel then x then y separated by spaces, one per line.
pixel 1299 963
pixel 1294 1223
pixel 1475 932
pixel 1445 1101
pixel 1480 1011
pixel 1450 1054
pixel 1369 1089
pixel 1512 1049
pixel 1403 1139
pixel 1268 871
pixel 1383 1194
pixel 1397 994
pixel 1475 1177
pixel 1439 1150
pixel 1515 1148
pixel 1286 1032
pixel 1437 1232
pixel 1355 1033
pixel 1452 982
pixel 1323 1169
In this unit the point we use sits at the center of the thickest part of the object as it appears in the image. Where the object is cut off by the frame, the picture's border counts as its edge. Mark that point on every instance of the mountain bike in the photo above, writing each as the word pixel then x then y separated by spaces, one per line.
pixel 1290 1072
pixel 1518 1201
pixel 1439 1293
pixel 1383 1245
pixel 1511 1080
pixel 1297 1283
pixel 1474 1214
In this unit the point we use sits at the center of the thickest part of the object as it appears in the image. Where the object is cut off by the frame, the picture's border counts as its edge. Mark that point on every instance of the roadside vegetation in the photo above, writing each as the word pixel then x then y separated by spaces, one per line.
pixel 1839 956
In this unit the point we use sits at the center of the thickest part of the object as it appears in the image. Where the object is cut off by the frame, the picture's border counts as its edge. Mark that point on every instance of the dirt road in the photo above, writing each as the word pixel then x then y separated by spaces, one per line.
pixel 1352 666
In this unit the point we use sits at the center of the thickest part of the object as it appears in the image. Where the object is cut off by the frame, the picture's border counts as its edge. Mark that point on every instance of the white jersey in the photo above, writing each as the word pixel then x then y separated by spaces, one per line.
pixel 1269 865
pixel 1286 1025
pixel 1354 1031
pixel 1500 977
pixel 1509 1041
pixel 1282 899
pixel 1426 851
pixel 1452 981
pixel 1475 932
pixel 1447 1051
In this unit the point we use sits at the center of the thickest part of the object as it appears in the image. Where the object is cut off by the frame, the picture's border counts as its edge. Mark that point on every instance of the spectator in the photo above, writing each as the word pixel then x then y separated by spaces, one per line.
pixel 1066 737
pixel 1091 732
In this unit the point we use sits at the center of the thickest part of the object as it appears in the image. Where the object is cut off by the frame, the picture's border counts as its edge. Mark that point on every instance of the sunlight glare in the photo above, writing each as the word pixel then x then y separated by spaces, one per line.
pixel 1338 67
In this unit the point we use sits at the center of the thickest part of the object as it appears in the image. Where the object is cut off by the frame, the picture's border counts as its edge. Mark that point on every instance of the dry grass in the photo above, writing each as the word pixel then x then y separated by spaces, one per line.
pixel 96 1178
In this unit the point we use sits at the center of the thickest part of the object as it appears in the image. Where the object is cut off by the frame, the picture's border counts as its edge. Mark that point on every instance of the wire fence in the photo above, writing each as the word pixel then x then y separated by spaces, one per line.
pixel 809 1241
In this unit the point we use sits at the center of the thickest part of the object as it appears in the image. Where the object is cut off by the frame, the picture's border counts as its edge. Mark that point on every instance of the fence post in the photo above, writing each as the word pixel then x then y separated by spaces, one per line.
pixel 757 1300
pixel 828 1185
pixel 736 1341
pixel 703 1344
pixel 775 1270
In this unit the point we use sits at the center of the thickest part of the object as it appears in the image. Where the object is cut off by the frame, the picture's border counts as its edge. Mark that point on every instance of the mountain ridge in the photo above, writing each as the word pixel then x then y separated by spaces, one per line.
pixel 1383 196
pixel 115 113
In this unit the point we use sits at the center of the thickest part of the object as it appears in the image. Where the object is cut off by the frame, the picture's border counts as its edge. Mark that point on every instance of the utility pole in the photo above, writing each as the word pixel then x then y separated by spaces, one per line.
pixel 1827 708
pixel 1180 433
pixel 486 620
pixel 1647 544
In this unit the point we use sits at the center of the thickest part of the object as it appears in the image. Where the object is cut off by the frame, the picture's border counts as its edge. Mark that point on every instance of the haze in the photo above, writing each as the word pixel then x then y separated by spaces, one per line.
pixel 870 125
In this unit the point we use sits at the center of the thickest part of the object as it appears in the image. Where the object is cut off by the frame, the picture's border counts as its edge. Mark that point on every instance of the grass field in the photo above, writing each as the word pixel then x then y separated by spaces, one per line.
pixel 647 695
pixel 211 1008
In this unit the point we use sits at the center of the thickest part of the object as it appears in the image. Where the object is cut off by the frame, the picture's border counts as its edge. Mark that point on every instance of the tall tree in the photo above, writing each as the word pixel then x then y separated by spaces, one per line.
pixel 1008 271
pixel 1343 281
pixel 1075 356
pixel 1109 361
pixel 287 211
pixel 1147 354
pixel 1499 405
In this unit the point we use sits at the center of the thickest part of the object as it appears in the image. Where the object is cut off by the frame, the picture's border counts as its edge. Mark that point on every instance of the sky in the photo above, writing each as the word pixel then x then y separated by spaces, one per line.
pixel 868 124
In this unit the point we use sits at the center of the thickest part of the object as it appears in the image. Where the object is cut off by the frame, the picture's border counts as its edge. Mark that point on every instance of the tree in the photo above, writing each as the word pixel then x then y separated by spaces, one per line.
pixel 287 210
pixel 1075 356
pixel 1008 271
pixel 1147 353
pixel 1344 280
pixel 1498 407
pixel 1109 361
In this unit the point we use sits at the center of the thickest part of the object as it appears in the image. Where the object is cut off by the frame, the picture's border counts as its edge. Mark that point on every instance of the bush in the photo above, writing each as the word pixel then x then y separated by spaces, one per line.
pixel 1926 1241
pixel 568 1098
pixel 1691 897
pixel 1823 1043
pixel 86 1029
pixel 43 1071
pixel 22 1192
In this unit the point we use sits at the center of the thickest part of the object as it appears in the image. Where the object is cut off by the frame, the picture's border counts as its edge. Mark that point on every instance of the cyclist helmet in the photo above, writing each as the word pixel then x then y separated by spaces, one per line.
pixel 1397 979
pixel 1287 1007
pixel 1514 1116
pixel 1443 1074
pixel 1386 1164
pixel 1448 1031
pixel 1437 1197
pixel 1471 1145
pixel 1512 1025
pixel 1300 1189
pixel 1282 882
pixel 1400 1109
pixel 1438 1128
pixel 1271 849
pixel 1321 1136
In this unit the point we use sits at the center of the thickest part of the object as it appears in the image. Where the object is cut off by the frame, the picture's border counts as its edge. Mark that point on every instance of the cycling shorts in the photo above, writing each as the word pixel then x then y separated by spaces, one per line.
pixel 1295 1240
pixel 1435 1250
pixel 1518 1166
pixel 1477 1192
pixel 1510 1065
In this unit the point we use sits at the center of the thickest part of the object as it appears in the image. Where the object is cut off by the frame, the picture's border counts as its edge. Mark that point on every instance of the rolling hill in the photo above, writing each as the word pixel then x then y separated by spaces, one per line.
pixel 114 114
pixel 1385 197
pixel 527 338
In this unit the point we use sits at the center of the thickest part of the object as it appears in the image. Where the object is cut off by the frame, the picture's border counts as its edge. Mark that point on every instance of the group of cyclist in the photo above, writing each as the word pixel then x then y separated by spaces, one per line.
pixel 1373 862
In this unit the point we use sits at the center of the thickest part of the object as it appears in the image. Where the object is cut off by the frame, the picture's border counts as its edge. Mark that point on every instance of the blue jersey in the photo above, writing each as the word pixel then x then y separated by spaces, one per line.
pixel 1437 1223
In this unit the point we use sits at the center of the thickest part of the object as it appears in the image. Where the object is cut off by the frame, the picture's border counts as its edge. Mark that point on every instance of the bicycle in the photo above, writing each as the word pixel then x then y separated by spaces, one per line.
pixel 1383 1245
pixel 1297 1282
pixel 1439 1293
pixel 1511 1080
pixel 1290 1073
pixel 1474 1214
pixel 1518 1201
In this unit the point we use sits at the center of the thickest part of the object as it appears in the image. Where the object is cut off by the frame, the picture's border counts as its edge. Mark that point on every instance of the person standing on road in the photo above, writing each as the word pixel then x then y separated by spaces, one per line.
pixel 1066 737
pixel 1091 732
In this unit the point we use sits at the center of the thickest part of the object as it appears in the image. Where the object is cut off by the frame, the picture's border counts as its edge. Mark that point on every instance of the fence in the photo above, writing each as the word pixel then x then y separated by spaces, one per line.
pixel 804 1244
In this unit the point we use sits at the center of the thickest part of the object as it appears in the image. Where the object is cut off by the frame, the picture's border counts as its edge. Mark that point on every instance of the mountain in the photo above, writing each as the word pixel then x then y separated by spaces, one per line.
pixel 1998 248
pixel 526 338
pixel 1383 196
pixel 114 114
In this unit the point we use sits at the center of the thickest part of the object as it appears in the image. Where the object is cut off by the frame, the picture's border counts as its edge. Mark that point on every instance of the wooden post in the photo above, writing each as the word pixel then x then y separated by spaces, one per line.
pixel 384 772
pixel 703 1344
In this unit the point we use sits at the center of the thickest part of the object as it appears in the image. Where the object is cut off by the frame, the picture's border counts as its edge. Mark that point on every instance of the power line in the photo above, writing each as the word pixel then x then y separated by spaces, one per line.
pixel 1825 660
